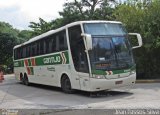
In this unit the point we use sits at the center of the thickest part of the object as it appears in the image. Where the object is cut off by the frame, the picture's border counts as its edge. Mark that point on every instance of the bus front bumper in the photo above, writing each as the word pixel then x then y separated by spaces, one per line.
pixel 106 84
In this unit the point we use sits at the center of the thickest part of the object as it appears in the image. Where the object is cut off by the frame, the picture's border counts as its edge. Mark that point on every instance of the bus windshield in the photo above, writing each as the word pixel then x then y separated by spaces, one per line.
pixel 111 48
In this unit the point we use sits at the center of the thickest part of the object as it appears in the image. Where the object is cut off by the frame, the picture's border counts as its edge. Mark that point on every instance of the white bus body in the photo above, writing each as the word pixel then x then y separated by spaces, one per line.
pixel 84 55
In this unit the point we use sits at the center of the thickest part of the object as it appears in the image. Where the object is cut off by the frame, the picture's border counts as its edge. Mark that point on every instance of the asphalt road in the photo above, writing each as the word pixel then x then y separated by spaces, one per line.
pixel 14 95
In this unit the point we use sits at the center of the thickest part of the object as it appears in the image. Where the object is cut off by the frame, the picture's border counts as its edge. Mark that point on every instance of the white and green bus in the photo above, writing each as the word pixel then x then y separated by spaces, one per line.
pixel 84 55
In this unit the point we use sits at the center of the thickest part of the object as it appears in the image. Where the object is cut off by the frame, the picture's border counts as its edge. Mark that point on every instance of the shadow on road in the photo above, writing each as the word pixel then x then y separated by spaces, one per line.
pixel 100 94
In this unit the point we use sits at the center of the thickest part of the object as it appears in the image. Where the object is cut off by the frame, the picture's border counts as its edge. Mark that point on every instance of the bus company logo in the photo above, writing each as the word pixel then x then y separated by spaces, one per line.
pixel 61 58
pixel 51 60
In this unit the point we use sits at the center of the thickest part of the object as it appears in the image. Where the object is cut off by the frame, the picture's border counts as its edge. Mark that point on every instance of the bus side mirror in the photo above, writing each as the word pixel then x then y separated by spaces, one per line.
pixel 139 38
pixel 88 40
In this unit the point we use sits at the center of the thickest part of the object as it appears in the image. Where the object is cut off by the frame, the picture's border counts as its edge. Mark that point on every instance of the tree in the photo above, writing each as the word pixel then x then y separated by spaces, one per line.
pixel 24 35
pixel 87 10
pixel 143 16
pixel 7 42
pixel 40 27
pixel 9 37
pixel 7 28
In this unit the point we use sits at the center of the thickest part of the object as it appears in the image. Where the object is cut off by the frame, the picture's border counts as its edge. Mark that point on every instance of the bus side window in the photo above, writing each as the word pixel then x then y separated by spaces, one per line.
pixel 46 45
pixel 15 54
pixel 38 48
pixel 53 45
pixel 41 47
pixel 28 51
pixel 18 53
pixel 34 49
pixel 21 53
pixel 57 43
pixel 24 52
pixel 62 41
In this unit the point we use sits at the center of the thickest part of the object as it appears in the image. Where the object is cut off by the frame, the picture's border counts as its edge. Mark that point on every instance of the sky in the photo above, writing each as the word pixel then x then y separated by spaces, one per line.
pixel 19 13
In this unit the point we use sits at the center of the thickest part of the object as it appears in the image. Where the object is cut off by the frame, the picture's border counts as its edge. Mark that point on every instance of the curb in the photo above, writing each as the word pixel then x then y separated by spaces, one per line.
pixel 148 81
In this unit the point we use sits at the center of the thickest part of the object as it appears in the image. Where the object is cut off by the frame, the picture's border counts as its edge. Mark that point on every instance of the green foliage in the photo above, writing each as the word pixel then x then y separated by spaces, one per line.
pixel 7 28
pixel 41 27
pixel 7 42
pixel 87 10
pixel 9 37
pixel 143 17
pixel 24 35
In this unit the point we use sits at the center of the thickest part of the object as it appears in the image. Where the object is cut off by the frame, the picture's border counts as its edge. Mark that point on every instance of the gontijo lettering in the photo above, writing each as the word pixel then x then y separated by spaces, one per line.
pixel 52 60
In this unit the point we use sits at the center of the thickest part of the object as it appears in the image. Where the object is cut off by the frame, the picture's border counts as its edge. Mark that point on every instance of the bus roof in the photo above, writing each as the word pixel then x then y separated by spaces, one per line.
pixel 61 28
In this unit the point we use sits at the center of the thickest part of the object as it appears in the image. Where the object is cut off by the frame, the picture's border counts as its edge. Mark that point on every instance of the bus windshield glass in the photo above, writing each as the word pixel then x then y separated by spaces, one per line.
pixel 111 48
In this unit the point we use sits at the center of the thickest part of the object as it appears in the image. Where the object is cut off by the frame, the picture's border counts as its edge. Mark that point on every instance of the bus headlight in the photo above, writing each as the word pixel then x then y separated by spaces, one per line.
pixel 99 76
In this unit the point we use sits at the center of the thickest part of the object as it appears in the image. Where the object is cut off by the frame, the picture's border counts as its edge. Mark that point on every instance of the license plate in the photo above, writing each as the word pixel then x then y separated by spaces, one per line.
pixel 118 82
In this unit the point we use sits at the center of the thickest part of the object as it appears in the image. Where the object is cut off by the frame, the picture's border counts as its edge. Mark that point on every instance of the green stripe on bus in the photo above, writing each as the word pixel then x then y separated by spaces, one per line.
pixel 67 57
pixel 49 60
pixel 29 62
pixel 60 58
pixel 19 63
pixel 102 72
pixel 120 71
pixel 53 59
pixel 98 72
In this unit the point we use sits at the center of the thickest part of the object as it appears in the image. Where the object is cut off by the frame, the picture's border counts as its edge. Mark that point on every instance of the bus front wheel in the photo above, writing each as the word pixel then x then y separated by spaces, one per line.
pixel 66 84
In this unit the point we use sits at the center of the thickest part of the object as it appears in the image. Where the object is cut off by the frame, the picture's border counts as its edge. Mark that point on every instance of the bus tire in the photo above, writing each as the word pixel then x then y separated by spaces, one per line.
pixel 21 78
pixel 26 81
pixel 66 84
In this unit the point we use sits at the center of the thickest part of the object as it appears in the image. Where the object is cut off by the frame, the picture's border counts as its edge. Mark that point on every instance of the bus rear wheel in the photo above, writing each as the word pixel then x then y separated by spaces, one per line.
pixel 25 80
pixel 21 78
pixel 66 85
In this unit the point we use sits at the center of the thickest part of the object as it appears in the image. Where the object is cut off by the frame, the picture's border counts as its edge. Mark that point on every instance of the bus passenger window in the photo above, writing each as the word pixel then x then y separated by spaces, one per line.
pixel 53 45
pixel 41 47
pixel 62 41
pixel 48 45
pixel 15 54
pixel 24 52
pixel 38 48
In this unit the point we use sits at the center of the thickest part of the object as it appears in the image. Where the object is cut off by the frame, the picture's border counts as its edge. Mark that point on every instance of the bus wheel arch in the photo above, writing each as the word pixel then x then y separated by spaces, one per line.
pixel 26 81
pixel 66 84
